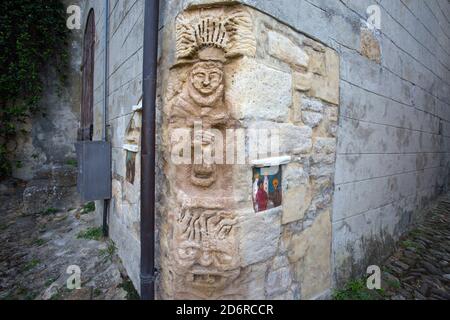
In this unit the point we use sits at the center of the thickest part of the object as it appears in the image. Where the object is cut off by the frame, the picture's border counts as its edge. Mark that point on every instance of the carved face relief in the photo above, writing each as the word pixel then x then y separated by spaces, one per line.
pixel 203 258
pixel 207 77
pixel 206 251
pixel 206 86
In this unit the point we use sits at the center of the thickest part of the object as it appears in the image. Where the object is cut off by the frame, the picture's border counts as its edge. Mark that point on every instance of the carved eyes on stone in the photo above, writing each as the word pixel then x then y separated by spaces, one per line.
pixel 206 82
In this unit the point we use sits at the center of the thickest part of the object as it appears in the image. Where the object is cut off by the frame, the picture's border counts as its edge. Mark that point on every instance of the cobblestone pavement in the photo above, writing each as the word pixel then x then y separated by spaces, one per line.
pixel 420 268
pixel 36 250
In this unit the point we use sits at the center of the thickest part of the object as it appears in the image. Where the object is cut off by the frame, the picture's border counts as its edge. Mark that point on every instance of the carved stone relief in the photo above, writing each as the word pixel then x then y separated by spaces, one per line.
pixel 204 257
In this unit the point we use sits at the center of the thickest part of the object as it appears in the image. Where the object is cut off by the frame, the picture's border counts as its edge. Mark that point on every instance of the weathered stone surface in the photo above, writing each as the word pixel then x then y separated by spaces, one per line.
pixel 317 63
pixel 295 139
pixel 311 119
pixel 302 81
pixel 294 175
pixel 310 104
pixel 41 247
pixel 370 46
pixel 285 50
pixel 296 202
pixel 327 88
pixel 325 145
pixel 258 92
pixel 311 249
pixel 259 236
pixel 278 281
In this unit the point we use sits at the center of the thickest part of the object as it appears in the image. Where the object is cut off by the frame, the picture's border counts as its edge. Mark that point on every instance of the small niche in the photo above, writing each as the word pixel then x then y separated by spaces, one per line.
pixel 132 142
pixel 267 183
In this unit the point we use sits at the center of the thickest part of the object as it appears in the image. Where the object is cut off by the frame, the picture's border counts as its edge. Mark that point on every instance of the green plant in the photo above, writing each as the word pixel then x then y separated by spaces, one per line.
pixel 127 285
pixel 72 163
pixel 109 252
pixel 91 234
pixel 410 244
pixel 357 290
pixel 393 284
pixel 30 265
pixel 33 34
pixel 88 207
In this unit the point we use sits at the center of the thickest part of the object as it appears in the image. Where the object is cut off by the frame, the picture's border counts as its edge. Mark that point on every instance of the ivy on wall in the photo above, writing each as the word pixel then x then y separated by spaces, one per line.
pixel 33 34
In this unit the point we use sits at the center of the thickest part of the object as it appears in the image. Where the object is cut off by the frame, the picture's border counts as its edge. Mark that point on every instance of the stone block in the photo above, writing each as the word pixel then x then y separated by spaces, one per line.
pixel 296 202
pixel 311 119
pixel 325 145
pixel 326 87
pixel 370 46
pixel 278 281
pixel 311 104
pixel 295 139
pixel 259 236
pixel 317 63
pixel 284 49
pixel 302 81
pixel 258 92
pixel 311 249
pixel 294 175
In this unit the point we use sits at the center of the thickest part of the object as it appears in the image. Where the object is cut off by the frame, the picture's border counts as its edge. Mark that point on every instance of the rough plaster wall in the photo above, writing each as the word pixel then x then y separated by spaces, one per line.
pixel 392 157
pixel 46 146
pixel 125 91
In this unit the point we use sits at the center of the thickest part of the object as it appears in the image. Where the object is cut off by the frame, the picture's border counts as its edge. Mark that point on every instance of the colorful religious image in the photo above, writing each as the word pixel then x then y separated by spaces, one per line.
pixel 266 188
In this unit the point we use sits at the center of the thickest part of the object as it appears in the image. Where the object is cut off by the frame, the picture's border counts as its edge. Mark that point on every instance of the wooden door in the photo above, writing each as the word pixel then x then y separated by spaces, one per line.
pixel 87 96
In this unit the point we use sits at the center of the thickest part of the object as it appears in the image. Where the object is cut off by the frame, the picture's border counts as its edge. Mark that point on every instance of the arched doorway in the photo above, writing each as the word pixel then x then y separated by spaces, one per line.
pixel 86 130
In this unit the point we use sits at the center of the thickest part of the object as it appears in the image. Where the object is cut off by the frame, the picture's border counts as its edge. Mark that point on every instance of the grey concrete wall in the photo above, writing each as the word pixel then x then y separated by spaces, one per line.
pixel 393 139
pixel 124 91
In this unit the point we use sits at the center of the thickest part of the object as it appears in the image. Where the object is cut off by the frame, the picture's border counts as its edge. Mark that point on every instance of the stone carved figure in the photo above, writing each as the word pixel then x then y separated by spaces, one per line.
pixel 205 257
pixel 204 252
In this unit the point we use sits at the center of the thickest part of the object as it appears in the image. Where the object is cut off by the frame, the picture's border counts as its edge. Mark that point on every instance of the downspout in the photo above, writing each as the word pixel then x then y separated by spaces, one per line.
pixel 148 143
pixel 105 106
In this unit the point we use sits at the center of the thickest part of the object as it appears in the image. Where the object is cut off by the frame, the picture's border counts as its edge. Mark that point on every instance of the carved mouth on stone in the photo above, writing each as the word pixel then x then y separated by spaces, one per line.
pixel 212 279
pixel 203 176
pixel 207 279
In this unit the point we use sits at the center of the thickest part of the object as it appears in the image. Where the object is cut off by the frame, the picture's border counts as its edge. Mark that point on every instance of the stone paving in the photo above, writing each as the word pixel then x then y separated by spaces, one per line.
pixel 37 249
pixel 420 268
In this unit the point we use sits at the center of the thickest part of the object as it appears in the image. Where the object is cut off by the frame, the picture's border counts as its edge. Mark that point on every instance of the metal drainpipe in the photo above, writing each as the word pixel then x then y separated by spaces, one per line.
pixel 148 143
pixel 105 107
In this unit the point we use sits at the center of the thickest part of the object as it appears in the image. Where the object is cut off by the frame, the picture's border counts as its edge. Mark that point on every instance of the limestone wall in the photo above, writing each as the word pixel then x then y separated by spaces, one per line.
pixel 123 120
pixel 392 151
pixel 213 243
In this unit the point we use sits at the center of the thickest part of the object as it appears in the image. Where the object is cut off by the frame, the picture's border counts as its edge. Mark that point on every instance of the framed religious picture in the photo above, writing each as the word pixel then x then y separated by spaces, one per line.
pixel 267 191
